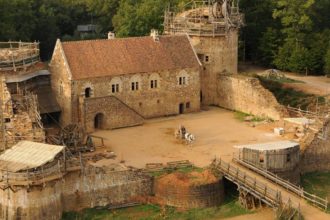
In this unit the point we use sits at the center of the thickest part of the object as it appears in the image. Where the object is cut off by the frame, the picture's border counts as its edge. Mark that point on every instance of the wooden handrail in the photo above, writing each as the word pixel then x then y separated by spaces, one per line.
pixel 316 200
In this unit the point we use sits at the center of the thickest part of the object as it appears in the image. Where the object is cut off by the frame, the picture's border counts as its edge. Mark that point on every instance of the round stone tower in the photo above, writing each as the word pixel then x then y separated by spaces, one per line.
pixel 212 26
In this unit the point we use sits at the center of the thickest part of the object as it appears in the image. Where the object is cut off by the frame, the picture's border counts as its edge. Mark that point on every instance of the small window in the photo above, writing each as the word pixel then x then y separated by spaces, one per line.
pixel 140 104
pixel 180 81
pixel 200 57
pixel 153 84
pixel 183 80
pixel 61 88
pixel 135 86
pixel 261 158
pixel 288 158
pixel 115 88
pixel 7 120
pixel 88 92
pixel 188 105
pixel 156 84
pixel 207 59
pixel 158 101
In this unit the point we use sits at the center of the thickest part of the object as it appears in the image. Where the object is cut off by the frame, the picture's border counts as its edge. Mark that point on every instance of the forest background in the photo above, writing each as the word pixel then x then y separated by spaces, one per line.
pixel 290 35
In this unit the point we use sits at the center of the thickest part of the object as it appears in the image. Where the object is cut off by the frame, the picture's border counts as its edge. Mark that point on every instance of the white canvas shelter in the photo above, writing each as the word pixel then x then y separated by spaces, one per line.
pixel 27 155
pixel 278 145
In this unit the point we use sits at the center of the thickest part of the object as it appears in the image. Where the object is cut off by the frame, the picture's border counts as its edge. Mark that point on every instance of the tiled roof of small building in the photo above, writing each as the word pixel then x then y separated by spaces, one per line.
pixel 99 58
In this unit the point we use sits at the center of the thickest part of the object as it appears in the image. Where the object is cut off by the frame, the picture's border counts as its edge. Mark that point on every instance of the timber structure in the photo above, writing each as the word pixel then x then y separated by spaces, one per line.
pixel 18 55
pixel 249 185
pixel 204 18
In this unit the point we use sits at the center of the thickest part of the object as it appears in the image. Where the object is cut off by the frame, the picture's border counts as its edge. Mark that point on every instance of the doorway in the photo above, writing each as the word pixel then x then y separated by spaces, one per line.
pixel 181 108
pixel 98 121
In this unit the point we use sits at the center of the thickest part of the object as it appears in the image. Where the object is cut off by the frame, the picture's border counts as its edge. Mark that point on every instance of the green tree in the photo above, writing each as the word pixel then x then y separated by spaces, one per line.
pixel 268 46
pixel 258 18
pixel 294 17
pixel 17 20
pixel 102 12
pixel 138 17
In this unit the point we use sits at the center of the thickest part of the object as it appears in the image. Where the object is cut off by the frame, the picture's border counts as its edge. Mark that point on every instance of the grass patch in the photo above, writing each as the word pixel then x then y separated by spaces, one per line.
pixel 317 183
pixel 241 117
pixel 229 208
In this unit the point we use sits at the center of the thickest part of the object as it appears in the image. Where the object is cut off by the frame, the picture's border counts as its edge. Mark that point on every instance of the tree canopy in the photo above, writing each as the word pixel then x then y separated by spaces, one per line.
pixel 290 35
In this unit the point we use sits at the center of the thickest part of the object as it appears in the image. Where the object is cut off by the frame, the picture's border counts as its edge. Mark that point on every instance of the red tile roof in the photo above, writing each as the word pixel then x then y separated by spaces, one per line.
pixel 99 58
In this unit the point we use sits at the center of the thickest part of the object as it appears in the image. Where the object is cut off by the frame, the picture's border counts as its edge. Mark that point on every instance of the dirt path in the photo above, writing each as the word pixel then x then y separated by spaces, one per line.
pixel 318 85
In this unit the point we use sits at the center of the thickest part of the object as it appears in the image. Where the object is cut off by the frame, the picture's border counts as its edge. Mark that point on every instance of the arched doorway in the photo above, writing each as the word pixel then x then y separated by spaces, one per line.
pixel 98 121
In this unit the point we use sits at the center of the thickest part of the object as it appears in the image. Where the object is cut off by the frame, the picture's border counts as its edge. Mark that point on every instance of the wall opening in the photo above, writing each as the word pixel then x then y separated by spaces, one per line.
pixel 88 92
pixel 99 121
pixel 181 108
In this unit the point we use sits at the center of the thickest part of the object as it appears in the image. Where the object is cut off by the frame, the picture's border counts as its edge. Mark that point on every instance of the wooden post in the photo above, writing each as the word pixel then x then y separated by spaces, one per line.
pixel 326 203
pixel 64 155
pixel 81 164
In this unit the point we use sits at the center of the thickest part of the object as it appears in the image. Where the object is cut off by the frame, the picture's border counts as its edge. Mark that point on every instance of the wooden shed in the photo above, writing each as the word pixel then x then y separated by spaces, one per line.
pixel 275 157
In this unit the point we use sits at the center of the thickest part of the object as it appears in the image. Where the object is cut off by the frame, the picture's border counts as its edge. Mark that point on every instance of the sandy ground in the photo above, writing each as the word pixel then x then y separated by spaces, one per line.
pixel 216 131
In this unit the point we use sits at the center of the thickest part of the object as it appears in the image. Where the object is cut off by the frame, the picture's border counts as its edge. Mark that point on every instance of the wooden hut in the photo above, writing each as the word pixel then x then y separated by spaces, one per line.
pixel 281 158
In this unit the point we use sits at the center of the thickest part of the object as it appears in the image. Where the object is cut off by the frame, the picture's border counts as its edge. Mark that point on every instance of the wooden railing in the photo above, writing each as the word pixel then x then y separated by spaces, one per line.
pixel 313 199
pixel 250 184
pixel 18 55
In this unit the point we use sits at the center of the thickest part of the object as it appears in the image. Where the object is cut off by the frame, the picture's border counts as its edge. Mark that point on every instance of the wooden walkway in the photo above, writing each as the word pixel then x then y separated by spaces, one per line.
pixel 270 192
pixel 311 198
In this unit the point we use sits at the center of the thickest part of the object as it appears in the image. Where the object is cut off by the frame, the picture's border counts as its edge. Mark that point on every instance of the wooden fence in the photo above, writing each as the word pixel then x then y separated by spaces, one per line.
pixel 250 184
pixel 313 199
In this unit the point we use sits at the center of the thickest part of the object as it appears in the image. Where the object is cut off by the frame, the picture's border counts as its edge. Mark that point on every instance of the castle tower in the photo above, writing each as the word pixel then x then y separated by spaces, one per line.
pixel 213 27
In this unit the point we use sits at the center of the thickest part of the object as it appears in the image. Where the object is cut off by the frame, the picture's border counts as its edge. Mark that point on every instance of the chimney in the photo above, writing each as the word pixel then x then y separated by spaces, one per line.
pixel 154 34
pixel 111 35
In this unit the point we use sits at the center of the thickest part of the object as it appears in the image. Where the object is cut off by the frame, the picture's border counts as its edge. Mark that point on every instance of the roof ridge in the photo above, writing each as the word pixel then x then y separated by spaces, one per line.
pixel 115 39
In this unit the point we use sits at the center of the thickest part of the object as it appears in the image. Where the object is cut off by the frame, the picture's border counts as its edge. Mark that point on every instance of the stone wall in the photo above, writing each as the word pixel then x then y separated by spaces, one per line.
pixel 19 121
pixel 114 113
pixel 146 101
pixel 247 95
pixel 316 156
pixel 61 83
pixel 94 187
pixel 218 55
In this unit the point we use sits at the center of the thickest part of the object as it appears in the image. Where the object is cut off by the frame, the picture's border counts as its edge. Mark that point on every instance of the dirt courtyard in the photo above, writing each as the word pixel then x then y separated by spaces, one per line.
pixel 216 131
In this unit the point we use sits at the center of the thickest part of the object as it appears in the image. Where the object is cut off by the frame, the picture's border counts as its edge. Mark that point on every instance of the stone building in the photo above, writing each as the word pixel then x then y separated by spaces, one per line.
pixel 115 83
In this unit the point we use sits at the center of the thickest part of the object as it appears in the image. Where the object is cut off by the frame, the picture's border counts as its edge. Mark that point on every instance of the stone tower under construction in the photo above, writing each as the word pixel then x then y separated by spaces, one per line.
pixel 213 27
